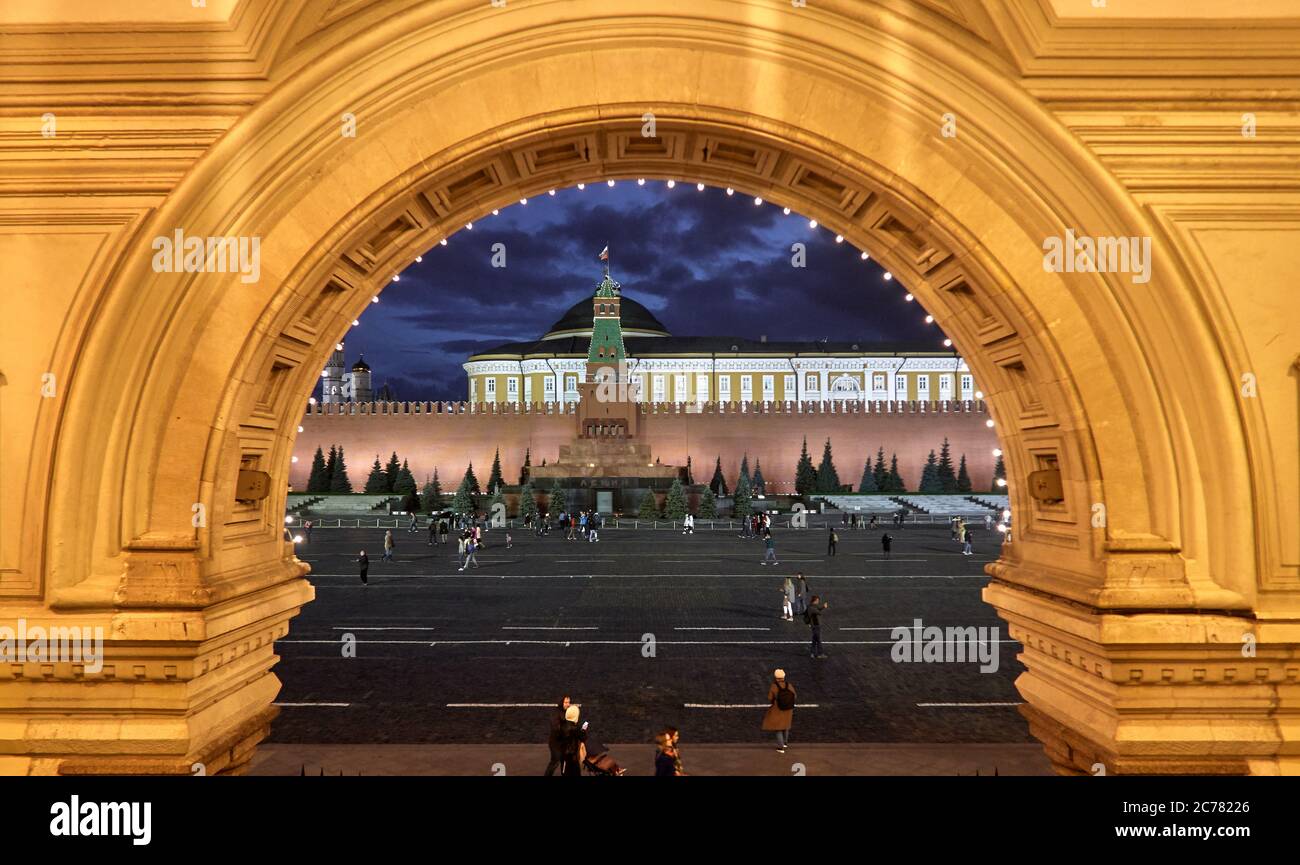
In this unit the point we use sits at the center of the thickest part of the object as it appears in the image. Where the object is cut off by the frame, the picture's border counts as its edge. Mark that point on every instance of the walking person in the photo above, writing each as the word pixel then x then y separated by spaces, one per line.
pixel 388 546
pixel 307 528
pixel 800 593
pixel 471 547
pixel 444 529
pixel 988 522
pixel 433 532
pixel 573 744
pixel 885 540
pixel 813 616
pixel 665 756
pixel 966 548
pixel 787 600
pixel 414 525
pixel 831 543
pixel 770 553
pixel 461 544
pixel 555 739
pixel 365 567
pixel 780 709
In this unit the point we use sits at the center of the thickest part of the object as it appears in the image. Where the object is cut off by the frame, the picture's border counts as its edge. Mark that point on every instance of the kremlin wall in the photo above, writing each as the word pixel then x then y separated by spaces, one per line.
pixel 450 435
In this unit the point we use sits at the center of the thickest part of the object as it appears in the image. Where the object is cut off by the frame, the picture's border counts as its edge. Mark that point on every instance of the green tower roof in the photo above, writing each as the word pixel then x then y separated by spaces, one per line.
pixel 606 331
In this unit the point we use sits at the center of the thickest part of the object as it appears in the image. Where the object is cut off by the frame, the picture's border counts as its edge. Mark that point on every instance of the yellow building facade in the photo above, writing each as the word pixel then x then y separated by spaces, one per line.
pixel 692 370
pixel 1157 604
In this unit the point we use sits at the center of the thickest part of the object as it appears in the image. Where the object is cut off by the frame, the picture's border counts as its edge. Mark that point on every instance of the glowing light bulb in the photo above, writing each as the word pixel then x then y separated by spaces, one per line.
pixel 997 452
pixel 730 191
pixel 442 242
pixel 582 186
pixel 523 201
pixel 812 223
pixel 947 343
pixel 839 238
pixel 699 187
pixel 1002 482
pixel 375 299
pixel 609 183
pixel 929 319
pixel 979 394
pixel 757 201
pixel 338 346
pixel 640 181
pixel 470 226
pixel 672 183
pixel 550 192
pixel 785 210
pixel 355 322
pixel 888 276
pixel 418 259
pixel 397 278
pixel 496 212
pixel 299 429
pixel 311 400
pixel 907 297
pixel 989 423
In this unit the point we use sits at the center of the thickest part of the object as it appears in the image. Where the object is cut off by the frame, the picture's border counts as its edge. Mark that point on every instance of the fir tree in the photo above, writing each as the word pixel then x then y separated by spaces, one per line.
pixel 391 471
pixel 963 477
pixel 649 507
pixel 431 495
pixel 675 504
pixel 377 482
pixel 690 478
pixel 463 501
pixel 339 482
pixel 828 480
pixel 405 485
pixel 930 482
pixel 527 501
pixel 999 473
pixel 805 476
pixel 719 483
pixel 947 477
pixel 760 485
pixel 526 471
pixel 868 482
pixel 741 502
pixel 495 481
pixel 895 480
pixel 558 500
pixel 331 465
pixel 744 472
pixel 319 481
pixel 473 481
pixel 881 473
pixel 708 505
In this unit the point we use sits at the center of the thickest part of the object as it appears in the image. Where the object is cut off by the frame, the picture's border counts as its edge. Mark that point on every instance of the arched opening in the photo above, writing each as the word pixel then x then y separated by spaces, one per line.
pixel 1077 367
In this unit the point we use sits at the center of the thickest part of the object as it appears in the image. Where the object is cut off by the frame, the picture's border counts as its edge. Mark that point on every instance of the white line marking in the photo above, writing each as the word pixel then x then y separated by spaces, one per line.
pixel 765 576
pixel 412 628
pixel 722 629
pixel 297 705
pixel 743 705
pixel 962 705
pixel 507 705
pixel 613 642
pixel 543 628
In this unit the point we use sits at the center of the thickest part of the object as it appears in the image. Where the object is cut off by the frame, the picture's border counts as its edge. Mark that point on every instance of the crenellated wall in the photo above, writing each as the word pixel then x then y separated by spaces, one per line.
pixel 451 435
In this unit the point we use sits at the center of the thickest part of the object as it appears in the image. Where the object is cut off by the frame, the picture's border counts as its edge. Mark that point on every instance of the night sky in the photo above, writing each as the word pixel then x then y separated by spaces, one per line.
pixel 705 263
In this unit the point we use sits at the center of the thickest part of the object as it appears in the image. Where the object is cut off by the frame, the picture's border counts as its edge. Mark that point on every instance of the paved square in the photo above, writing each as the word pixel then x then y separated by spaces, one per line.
pixel 448 657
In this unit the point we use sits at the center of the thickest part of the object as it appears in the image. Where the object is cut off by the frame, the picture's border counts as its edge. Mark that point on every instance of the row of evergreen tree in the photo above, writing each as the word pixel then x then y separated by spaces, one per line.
pixel 329 475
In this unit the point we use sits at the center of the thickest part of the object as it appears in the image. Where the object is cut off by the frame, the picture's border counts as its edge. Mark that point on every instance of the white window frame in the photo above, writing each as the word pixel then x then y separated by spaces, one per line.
pixel 746 387
pixel 922 385
pixel 945 386
pixel 701 387
pixel 791 386
pixel 657 394
pixel 900 386
pixel 570 386
pixel 812 383
pixel 512 387
pixel 724 388
pixel 769 387
pixel 680 387
pixel 528 389
pixel 548 388
pixel 490 386
pixel 967 385
pixel 879 382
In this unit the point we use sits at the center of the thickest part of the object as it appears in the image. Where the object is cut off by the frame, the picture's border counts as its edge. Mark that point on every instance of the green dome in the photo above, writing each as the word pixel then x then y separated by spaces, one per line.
pixel 636 319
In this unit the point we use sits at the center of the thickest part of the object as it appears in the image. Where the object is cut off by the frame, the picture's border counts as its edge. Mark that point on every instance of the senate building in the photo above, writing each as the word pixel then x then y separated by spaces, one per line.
pixel 663 368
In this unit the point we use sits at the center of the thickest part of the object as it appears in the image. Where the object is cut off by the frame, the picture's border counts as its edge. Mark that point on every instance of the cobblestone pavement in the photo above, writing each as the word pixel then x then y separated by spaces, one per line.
pixel 449 657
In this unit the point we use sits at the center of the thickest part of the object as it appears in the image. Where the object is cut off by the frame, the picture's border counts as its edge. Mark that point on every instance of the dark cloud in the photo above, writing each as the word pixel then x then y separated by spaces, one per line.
pixel 705 263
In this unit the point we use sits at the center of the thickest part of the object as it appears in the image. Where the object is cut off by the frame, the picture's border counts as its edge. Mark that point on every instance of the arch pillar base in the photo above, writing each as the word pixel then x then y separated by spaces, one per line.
pixel 1152 693
pixel 174 691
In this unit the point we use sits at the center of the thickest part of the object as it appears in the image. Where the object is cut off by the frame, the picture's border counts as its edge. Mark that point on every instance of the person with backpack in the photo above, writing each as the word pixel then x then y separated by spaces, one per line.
pixel 885 540
pixel 780 710
pixel 812 617
pixel 471 547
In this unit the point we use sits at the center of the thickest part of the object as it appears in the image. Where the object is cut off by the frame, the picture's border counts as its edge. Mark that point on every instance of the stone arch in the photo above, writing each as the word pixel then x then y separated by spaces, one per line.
pixel 455 120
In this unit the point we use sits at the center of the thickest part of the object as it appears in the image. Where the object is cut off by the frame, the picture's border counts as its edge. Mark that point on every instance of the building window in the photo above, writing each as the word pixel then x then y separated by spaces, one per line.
pixel 878 380
pixel 512 387
pixel 810 383
pixel 548 388
pixel 746 387
pixel 900 385
pixel 639 390
pixel 570 386
pixel 528 389
pixel 724 387
pixel 659 388
pixel 967 386
pixel 769 387
pixel 945 387
pixel 923 385
pixel 789 387
pixel 702 387
pixel 679 388
pixel 491 386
